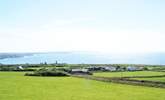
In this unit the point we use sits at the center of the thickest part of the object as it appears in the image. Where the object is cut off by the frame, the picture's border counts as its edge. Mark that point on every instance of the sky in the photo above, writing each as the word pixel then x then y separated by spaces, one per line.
pixel 115 26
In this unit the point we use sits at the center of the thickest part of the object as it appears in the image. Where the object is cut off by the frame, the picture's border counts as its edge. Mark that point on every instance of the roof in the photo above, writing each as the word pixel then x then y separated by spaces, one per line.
pixel 76 70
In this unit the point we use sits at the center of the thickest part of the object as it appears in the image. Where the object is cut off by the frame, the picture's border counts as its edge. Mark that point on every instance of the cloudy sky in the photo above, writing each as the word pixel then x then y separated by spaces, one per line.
pixel 82 25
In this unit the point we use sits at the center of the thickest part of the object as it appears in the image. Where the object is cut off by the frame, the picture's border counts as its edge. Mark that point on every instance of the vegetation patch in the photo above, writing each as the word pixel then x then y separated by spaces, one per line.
pixel 15 86
pixel 47 72
pixel 155 79
pixel 129 74
pixel 125 81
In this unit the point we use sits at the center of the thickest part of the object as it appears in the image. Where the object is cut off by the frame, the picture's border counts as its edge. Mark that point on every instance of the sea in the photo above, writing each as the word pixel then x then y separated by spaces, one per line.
pixel 88 58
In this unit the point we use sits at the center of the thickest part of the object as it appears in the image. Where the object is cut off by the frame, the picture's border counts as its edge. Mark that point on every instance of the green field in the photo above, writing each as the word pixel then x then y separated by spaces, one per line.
pixel 159 79
pixel 127 74
pixel 15 86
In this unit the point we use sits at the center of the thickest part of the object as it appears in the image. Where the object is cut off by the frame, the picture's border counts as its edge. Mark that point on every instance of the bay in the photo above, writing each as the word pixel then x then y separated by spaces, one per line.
pixel 88 58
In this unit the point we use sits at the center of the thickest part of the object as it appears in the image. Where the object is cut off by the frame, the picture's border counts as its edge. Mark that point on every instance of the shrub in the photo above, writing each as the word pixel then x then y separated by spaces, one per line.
pixel 46 72
pixel 145 68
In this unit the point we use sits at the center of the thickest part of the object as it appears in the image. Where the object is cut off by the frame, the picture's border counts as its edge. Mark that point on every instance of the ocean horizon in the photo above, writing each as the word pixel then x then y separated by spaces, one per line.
pixel 88 58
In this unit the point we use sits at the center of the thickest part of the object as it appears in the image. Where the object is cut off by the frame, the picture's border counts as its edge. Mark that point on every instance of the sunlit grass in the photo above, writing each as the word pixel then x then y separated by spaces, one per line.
pixel 158 79
pixel 127 74
pixel 16 86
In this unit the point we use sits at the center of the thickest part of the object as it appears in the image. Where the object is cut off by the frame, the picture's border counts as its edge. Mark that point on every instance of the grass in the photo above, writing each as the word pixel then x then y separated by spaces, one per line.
pixel 15 86
pixel 158 79
pixel 127 74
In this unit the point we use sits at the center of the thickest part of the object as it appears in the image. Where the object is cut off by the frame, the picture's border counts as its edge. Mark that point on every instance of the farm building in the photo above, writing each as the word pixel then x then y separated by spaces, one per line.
pixel 80 72
pixel 131 68
pixel 102 68
pixel 94 68
pixel 19 68
pixel 110 68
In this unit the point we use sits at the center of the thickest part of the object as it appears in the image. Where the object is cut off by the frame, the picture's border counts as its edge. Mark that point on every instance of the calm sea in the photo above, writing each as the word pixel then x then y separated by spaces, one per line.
pixel 88 58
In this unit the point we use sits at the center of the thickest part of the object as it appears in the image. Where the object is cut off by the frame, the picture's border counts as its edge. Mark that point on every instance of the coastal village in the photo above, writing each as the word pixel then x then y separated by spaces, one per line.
pixel 105 69
pixel 79 69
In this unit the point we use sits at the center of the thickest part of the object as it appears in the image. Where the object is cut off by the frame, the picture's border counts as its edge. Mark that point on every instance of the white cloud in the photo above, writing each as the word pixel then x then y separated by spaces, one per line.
pixel 93 40
pixel 65 35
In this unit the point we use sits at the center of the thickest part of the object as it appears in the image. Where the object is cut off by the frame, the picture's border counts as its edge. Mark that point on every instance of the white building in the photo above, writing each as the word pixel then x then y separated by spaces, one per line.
pixel 79 70
pixel 110 68
pixel 20 67
pixel 131 68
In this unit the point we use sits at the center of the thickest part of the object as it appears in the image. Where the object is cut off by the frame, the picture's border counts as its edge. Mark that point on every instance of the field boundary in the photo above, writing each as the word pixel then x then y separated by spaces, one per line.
pixel 122 80
pixel 155 76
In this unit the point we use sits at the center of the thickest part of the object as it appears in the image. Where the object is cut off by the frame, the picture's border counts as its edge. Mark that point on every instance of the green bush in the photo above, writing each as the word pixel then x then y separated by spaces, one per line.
pixel 46 72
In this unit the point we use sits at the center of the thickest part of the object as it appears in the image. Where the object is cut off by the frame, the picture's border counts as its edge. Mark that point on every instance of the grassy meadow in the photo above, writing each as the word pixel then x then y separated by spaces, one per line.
pixel 158 79
pixel 127 74
pixel 16 86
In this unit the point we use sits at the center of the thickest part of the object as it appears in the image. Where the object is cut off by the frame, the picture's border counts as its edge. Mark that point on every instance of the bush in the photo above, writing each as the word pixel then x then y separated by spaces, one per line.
pixel 29 69
pixel 6 69
pixel 46 72
pixel 14 68
pixel 145 68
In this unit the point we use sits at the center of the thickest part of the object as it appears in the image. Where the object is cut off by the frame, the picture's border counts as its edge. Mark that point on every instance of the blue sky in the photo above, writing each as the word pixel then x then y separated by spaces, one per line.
pixel 82 25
